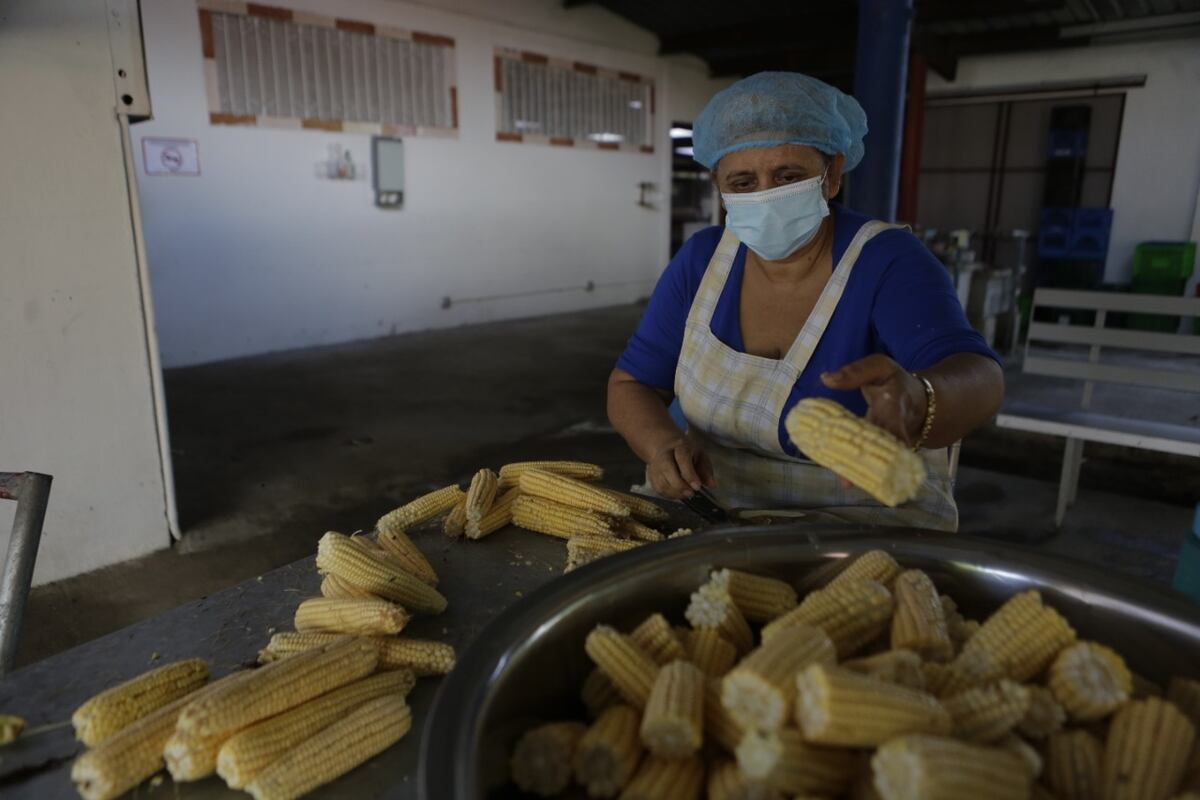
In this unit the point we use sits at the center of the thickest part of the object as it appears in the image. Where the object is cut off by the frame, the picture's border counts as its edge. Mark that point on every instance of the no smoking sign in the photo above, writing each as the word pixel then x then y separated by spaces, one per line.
pixel 170 156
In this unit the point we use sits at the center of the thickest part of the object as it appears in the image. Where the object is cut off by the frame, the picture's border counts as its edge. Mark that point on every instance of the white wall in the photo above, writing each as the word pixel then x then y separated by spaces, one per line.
pixel 75 390
pixel 1158 161
pixel 257 254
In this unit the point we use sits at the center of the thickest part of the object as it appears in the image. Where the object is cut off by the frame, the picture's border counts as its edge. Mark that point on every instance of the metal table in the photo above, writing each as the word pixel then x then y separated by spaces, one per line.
pixel 480 579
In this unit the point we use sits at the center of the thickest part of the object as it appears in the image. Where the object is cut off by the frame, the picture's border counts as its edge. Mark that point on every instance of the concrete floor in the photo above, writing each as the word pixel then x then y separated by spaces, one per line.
pixel 271 452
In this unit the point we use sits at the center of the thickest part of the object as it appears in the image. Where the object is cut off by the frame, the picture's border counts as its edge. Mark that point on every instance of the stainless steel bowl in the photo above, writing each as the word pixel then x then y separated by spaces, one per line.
pixel 527 665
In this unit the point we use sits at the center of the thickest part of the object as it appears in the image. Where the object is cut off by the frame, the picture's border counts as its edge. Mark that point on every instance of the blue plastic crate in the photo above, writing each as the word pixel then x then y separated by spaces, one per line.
pixel 1057 219
pixel 1053 243
pixel 1087 244
pixel 1094 220
pixel 1067 143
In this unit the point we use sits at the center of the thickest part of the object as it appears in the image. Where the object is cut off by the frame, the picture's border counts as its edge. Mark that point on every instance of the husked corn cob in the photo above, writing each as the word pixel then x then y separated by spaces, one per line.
pixel 1089 680
pixel 374 571
pixel 719 725
pixel 598 693
pixel 335 588
pixel 673 723
pixel 1023 636
pixel 919 767
pixel 365 732
pixel 542 760
pixel 838 707
pixel 1044 716
pixel 919 623
pixel 288 643
pixel 666 779
pixel 631 671
pixel 510 474
pixel 1185 694
pixel 455 523
pixel 657 639
pixel 422 656
pixel 423 509
pixel 584 548
pixel 784 761
pixel 726 781
pixel 11 727
pixel 122 705
pixel 1023 750
pixel 1191 774
pixel 481 494
pixel 251 750
pixel 640 508
pixel 969 669
pixel 960 628
pixel 1073 761
pixel 864 454
pixel 608 753
pixel 712 607
pixel 278 686
pixel 680 533
pixel 851 613
pixel 986 713
pixel 556 519
pixel 630 528
pixel 1147 751
pixel 759 691
pixel 901 667
pixel 758 597
pixel 571 492
pixel 499 515
pixel 395 541
pixel 708 650
pixel 353 617
pixel 873 565
pixel 190 758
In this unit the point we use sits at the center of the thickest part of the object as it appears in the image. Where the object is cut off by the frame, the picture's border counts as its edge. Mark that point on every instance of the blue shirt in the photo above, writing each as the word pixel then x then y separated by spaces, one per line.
pixel 899 301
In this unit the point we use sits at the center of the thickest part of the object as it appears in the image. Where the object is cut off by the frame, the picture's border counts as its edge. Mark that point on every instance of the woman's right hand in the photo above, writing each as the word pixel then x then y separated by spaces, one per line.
pixel 677 470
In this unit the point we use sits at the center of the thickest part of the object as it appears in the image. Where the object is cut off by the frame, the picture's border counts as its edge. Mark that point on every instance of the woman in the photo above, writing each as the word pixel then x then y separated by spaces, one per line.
pixel 795 298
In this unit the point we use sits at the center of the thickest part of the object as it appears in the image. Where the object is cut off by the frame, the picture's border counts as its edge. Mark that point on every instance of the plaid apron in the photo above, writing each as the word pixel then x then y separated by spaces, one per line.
pixel 733 402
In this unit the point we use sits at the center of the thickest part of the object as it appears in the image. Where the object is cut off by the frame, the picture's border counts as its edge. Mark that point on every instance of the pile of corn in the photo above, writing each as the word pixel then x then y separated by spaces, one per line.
pixel 556 498
pixel 874 687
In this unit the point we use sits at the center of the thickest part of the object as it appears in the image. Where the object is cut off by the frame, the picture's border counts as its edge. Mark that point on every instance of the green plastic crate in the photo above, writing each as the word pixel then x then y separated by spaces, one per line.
pixel 1157 284
pixel 1164 260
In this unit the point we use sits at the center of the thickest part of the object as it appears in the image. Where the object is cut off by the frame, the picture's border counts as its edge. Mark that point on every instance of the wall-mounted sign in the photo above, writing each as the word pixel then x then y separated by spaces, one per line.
pixel 170 156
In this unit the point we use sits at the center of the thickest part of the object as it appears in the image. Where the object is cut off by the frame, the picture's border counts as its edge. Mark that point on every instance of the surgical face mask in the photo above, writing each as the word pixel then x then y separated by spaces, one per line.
pixel 777 222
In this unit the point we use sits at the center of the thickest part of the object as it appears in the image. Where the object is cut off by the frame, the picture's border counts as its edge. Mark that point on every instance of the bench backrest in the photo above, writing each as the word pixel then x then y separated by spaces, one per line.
pixel 1039 361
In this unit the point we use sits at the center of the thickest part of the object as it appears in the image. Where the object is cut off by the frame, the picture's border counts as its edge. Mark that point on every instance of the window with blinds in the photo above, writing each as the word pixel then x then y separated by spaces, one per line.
pixel 275 67
pixel 560 102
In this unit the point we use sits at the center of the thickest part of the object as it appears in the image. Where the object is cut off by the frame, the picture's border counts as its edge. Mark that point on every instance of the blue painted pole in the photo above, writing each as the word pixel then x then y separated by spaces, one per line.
pixel 880 73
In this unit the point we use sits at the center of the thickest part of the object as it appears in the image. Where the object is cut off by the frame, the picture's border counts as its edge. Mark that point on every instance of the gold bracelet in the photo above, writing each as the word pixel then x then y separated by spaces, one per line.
pixel 930 411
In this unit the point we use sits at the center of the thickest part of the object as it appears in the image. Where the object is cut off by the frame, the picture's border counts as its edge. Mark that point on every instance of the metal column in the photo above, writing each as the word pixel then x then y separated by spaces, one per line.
pixel 31 490
pixel 914 122
pixel 880 72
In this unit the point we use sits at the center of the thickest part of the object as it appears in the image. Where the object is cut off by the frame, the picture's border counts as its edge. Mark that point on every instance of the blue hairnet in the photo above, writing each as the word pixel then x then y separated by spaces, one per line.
pixel 774 108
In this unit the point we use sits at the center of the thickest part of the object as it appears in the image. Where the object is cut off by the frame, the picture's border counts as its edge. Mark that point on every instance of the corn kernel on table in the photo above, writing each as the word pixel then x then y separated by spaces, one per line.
pixel 479 579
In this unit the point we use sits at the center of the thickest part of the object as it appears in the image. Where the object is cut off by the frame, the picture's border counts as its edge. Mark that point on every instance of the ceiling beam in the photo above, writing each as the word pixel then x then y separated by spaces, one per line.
pixel 944 50
pixel 795 30
pixel 929 12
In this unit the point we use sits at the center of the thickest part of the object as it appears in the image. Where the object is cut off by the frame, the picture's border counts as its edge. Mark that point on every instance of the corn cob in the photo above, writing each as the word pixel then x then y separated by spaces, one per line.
pixel 1191 775
pixel 598 693
pixel 366 731
pixel 542 760
pixel 969 669
pixel 679 533
pixel 556 519
pixel 190 758
pixel 122 705
pixel 712 607
pixel 481 494
pixel 422 656
pixel 866 455
pixel 335 588
pixel 852 614
pixel 1040 792
pixel 374 571
pixel 641 508
pixel 901 667
pixel 726 781
pixel 1022 750
pixel 657 639
pixel 352 617
pixel 838 707
pixel 423 509
pixel 1044 716
pixel 1089 680
pixel 279 686
pixel 1185 694
pixel 1073 760
pixel 719 726
pixel 571 492
pixel 289 643
pixel 673 723
pixel 873 565
pixel 709 651
pixel 784 761
pixel 1147 751
pixel 759 598
pixel 249 751
pixel 1022 636
pixel 499 515
pixel 630 528
pixel 759 691
pixel 11 727
pixel 584 548
pixel 608 753
pixel 919 623
pixel 959 628
pixel 986 713
pixel 921 767
pixel 631 671
pixel 510 474
pixel 666 779
pixel 395 541
pixel 455 523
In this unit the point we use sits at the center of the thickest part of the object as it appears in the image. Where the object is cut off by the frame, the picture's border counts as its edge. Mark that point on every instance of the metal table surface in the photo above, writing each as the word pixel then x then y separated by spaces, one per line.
pixel 479 579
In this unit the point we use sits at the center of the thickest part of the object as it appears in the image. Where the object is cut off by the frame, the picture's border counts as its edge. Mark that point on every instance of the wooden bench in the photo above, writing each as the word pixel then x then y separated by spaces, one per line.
pixel 1080 425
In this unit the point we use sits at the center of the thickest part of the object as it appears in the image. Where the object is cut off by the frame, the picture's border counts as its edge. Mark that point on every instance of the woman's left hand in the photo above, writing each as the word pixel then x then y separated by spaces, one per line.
pixel 895 399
